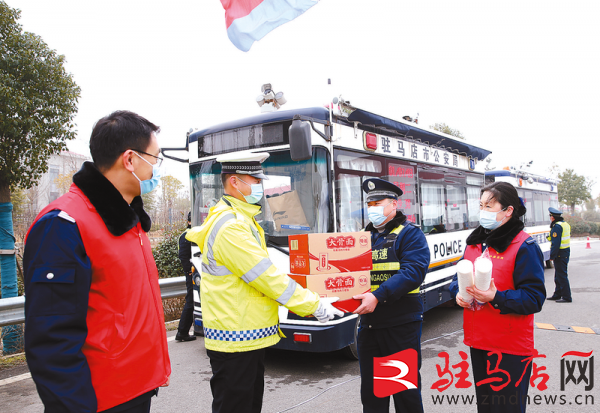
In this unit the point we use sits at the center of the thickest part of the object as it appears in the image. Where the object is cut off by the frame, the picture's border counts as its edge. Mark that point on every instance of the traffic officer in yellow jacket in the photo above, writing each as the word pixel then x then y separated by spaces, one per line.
pixel 392 313
pixel 560 236
pixel 241 289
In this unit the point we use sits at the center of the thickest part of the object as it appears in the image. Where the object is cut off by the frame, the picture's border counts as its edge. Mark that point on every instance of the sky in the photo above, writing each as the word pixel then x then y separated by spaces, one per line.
pixel 521 79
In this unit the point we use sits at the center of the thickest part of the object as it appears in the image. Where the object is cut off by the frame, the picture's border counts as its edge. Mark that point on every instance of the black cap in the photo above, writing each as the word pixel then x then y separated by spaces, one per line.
pixel 190 216
pixel 554 211
pixel 378 189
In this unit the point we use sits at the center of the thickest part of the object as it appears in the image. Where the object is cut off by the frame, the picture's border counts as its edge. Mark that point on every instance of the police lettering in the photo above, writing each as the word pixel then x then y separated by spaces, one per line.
pixel 447 248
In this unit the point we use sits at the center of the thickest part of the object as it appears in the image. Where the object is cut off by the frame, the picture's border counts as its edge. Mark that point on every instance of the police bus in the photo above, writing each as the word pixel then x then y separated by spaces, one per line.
pixel 319 158
pixel 539 193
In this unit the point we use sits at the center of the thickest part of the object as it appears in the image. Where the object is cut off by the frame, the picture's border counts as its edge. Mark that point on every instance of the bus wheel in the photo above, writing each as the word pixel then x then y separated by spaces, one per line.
pixel 351 351
pixel 549 264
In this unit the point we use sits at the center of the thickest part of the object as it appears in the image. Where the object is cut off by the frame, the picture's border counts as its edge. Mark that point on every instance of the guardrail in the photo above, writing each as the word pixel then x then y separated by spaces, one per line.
pixel 12 310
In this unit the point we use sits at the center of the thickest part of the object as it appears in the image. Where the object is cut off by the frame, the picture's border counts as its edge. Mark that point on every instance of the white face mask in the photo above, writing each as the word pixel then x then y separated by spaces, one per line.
pixel 376 214
pixel 256 194
pixel 487 219
pixel 148 185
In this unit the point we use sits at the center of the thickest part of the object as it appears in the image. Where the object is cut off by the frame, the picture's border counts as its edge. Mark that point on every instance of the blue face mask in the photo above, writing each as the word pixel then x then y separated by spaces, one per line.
pixel 256 194
pixel 376 214
pixel 149 184
pixel 487 219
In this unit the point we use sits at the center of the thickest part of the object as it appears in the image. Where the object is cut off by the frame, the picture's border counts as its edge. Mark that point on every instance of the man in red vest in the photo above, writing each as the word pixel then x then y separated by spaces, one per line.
pixel 95 336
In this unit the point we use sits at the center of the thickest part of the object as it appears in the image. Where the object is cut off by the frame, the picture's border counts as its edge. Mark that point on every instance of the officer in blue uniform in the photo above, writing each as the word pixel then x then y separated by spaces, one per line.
pixel 560 236
pixel 392 313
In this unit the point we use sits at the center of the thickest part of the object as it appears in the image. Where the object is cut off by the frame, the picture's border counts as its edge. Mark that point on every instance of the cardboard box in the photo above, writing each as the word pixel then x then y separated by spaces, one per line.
pixel 330 253
pixel 344 285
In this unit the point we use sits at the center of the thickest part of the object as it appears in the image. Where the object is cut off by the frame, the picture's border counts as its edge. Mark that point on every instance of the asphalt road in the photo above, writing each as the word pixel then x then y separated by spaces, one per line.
pixel 311 383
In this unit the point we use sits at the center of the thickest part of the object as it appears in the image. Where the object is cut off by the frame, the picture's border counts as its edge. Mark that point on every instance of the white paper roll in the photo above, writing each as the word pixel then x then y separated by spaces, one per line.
pixel 483 274
pixel 464 273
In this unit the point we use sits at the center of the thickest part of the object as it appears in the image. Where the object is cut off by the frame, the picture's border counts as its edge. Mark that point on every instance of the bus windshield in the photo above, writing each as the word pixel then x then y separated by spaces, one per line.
pixel 297 196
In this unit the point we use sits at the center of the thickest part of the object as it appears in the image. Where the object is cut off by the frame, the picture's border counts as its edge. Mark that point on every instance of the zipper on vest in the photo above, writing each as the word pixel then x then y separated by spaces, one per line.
pixel 140 235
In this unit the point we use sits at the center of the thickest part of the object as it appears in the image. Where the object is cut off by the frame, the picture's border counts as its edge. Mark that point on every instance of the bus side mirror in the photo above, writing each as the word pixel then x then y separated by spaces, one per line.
pixel 300 140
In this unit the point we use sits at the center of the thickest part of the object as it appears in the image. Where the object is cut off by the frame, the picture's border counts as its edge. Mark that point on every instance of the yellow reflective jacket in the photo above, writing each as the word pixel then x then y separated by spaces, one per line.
pixel 240 288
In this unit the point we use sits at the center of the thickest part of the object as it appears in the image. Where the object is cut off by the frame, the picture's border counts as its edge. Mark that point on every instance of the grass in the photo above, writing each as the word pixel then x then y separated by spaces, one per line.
pixel 8 362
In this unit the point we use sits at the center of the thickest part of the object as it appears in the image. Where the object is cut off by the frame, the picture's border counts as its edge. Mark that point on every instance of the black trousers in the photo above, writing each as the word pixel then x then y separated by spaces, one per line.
pixel 510 399
pixel 561 280
pixel 187 314
pixel 382 343
pixel 140 404
pixel 238 381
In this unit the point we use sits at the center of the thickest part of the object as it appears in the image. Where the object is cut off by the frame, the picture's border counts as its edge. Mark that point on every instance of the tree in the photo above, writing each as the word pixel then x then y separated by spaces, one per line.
pixel 38 102
pixel 170 192
pixel 442 127
pixel 573 189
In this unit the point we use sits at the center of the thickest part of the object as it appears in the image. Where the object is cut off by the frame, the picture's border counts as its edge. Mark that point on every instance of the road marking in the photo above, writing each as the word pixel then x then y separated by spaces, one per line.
pixel 545 326
pixel 14 379
pixel 583 330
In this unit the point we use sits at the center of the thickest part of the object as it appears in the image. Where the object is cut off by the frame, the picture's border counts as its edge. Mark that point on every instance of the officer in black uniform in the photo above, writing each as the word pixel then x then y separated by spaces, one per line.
pixel 187 314
pixel 560 236
pixel 392 313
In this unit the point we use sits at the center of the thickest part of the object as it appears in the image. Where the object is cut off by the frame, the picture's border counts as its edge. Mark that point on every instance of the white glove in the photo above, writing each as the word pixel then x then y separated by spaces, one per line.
pixel 325 311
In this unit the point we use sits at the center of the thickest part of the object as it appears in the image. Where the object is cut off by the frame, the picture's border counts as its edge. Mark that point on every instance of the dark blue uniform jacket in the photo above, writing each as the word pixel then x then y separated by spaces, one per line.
pixel 395 305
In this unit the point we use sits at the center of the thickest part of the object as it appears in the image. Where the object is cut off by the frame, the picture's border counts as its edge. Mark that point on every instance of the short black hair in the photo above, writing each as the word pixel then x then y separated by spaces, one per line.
pixel 118 132
pixel 507 195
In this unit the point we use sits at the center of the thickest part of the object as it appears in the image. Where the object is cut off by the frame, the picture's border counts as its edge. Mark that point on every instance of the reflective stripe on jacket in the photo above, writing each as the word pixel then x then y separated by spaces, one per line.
pixel 565 240
pixel 241 289
pixel 385 263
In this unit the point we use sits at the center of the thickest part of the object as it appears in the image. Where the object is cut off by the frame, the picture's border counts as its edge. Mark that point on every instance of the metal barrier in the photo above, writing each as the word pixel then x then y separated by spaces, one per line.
pixel 12 310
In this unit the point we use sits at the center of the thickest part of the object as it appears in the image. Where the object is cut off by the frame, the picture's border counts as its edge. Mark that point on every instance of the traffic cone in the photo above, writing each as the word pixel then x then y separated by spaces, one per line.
pixel 588 246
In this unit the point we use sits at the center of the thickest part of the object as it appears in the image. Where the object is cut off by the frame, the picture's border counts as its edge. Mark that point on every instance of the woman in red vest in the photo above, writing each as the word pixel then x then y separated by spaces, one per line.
pixel 500 332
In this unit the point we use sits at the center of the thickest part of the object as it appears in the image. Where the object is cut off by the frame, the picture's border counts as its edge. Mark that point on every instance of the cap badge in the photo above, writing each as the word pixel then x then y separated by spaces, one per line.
pixel 371 185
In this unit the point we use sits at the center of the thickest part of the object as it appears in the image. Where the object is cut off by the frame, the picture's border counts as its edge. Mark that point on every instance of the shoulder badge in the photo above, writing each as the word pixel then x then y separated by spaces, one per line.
pixel 554 234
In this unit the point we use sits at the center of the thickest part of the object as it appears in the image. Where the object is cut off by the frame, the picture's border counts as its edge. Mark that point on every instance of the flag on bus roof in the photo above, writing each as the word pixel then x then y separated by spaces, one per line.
pixel 248 21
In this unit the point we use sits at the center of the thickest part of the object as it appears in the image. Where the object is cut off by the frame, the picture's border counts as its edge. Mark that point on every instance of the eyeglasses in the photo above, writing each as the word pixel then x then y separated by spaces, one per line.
pixel 158 158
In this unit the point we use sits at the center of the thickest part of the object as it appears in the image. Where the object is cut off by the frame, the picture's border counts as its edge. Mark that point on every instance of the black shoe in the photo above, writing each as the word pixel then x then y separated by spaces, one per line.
pixel 179 337
pixel 562 300
pixel 553 298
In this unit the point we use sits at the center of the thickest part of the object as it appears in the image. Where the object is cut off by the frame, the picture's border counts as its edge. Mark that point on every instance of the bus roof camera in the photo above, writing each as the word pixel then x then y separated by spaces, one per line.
pixel 280 99
pixel 269 96
pixel 266 88
pixel 260 100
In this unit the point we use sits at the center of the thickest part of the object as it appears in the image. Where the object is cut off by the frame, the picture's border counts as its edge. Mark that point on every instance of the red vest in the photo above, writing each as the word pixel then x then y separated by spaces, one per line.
pixel 487 329
pixel 126 346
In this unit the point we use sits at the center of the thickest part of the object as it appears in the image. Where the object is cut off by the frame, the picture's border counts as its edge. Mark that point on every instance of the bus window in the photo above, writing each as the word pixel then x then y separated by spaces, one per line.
pixel 527 196
pixel 357 162
pixel 432 196
pixel 403 176
pixel 473 205
pixel 539 208
pixel 352 214
pixel 304 186
pixel 545 206
pixel 456 207
pixel 554 200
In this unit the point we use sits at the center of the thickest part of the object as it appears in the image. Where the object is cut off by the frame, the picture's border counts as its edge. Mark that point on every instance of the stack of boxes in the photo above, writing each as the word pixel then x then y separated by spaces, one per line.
pixel 333 265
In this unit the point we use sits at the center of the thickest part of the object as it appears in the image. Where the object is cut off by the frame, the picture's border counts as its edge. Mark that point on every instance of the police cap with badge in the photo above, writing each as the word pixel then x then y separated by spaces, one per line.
pixel 554 211
pixel 245 163
pixel 378 189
